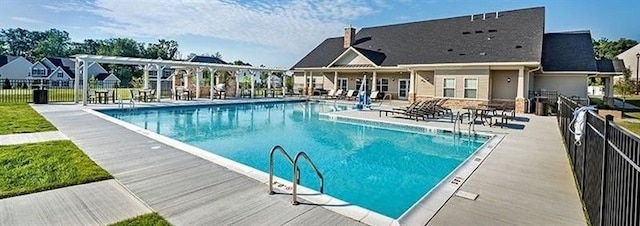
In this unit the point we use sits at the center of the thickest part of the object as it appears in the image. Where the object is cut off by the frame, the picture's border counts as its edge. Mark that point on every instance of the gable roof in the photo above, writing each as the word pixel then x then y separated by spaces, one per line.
pixel 568 51
pixel 611 66
pixel 103 76
pixel 450 40
pixel 207 59
pixel 65 63
pixel 5 59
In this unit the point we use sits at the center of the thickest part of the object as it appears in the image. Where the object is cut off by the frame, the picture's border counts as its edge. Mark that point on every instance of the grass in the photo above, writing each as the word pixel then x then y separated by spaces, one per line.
pixel 144 220
pixel 21 118
pixel 29 168
pixel 633 127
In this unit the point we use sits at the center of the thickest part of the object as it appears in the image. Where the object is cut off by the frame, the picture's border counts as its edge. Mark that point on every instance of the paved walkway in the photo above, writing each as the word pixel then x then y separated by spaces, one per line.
pixel 183 188
pixel 526 180
pixel 97 203
pixel 23 138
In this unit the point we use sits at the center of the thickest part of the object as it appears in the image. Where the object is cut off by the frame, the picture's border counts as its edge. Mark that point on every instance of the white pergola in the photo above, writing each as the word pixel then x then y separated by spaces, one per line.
pixel 158 65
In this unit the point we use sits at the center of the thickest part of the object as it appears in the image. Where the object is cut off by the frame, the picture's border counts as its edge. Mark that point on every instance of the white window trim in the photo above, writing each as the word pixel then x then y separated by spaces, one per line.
pixel 379 83
pixel 444 84
pixel 346 83
pixel 465 88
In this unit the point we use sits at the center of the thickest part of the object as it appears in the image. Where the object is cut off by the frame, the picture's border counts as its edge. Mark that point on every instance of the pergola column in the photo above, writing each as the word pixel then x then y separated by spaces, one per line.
pixel 198 79
pixel 269 80
pixel 158 81
pixel 145 76
pixel 173 82
pixel 374 81
pixel 211 80
pixel 85 82
pixel 335 81
pixel 76 81
pixel 237 83
pixel 253 88
pixel 186 77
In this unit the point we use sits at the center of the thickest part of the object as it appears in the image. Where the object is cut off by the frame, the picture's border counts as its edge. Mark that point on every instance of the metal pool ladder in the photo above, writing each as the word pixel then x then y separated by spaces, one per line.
pixel 296 175
pixel 273 150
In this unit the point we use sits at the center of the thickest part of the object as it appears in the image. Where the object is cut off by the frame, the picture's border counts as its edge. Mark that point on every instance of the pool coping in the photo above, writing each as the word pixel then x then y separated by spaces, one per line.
pixel 420 212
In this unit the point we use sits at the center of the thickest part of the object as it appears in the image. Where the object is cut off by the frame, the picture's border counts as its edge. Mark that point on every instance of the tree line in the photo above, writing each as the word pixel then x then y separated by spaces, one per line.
pixel 35 45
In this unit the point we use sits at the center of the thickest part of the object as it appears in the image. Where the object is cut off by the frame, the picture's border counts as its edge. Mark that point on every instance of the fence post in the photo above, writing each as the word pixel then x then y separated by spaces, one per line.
pixel 584 152
pixel 607 120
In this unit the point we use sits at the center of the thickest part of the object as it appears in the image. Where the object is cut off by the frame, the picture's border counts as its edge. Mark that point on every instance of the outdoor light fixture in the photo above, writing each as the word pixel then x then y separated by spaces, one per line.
pixel 509 80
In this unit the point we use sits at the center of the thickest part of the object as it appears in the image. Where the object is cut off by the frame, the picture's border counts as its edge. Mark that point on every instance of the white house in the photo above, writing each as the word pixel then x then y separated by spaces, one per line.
pixel 630 59
pixel 14 67
pixel 61 72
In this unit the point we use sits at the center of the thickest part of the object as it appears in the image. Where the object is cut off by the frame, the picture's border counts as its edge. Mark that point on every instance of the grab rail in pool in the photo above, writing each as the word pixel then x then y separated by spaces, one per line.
pixel 281 149
pixel 296 174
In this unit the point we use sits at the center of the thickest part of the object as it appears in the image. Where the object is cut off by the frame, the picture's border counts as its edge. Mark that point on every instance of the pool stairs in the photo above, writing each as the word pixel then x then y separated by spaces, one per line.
pixel 296 171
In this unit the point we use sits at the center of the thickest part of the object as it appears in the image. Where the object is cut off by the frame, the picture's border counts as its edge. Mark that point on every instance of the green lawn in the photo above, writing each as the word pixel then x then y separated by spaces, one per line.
pixel 29 168
pixel 21 118
pixel 151 219
pixel 633 127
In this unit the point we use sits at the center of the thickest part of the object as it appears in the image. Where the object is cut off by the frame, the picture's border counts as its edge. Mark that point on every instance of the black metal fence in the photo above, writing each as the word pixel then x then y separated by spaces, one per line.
pixel 21 90
pixel 605 162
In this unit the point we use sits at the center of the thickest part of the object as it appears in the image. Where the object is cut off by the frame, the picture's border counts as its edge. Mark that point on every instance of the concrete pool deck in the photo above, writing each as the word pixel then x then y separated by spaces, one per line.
pixel 526 180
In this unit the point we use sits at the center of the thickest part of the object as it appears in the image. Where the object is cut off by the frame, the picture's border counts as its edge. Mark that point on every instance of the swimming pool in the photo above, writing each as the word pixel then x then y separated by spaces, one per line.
pixel 381 169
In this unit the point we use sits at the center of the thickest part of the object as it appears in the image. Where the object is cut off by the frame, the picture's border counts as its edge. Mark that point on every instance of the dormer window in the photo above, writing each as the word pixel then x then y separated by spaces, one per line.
pixel 60 74
pixel 38 72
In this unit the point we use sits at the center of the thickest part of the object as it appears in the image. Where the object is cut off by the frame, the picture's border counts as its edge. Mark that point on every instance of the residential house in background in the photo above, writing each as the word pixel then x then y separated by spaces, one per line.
pixel 61 72
pixel 14 67
pixel 503 57
pixel 630 59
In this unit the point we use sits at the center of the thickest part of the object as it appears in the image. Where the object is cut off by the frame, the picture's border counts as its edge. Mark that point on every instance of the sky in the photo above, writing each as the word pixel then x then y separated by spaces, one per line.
pixel 278 33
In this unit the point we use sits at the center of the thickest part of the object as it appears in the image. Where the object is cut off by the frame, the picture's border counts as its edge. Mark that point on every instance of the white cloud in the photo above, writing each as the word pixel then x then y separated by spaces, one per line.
pixel 290 25
pixel 25 20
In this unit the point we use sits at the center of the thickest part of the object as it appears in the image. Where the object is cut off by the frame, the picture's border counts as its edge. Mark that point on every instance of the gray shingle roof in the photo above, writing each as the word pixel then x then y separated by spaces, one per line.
pixel 451 40
pixel 65 63
pixel 5 59
pixel 610 65
pixel 568 51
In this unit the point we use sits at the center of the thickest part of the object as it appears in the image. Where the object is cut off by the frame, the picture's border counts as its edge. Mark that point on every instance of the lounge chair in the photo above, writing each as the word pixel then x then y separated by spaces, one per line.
pixel 330 94
pixel 415 110
pixel 349 94
pixel 110 93
pixel 442 109
pixel 374 95
pixel 152 95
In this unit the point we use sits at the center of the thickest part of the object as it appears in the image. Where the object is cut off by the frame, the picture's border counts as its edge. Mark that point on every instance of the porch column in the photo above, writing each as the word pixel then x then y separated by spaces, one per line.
pixel 520 96
pixel 269 80
pixel 304 84
pixel 158 81
pixel 198 79
pixel 145 76
pixel 412 78
pixel 173 81
pixel 76 81
pixel 211 80
pixel 374 81
pixel 335 81
pixel 186 78
pixel 312 84
pixel 85 82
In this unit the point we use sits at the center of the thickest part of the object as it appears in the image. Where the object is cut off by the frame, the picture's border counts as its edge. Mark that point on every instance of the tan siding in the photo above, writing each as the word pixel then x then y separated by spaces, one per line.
pixel 425 84
pixel 569 85
pixel 481 74
pixel 503 90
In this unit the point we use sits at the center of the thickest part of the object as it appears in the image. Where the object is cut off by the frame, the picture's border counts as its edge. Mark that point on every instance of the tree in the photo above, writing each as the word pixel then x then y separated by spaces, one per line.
pixel 55 44
pixel 191 55
pixel 164 49
pixel 605 49
pixel 21 42
pixel 3 47
pixel 239 62
pixel 624 86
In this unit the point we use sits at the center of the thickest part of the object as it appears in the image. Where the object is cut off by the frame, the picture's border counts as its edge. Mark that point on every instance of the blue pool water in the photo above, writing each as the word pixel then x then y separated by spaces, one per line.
pixel 383 170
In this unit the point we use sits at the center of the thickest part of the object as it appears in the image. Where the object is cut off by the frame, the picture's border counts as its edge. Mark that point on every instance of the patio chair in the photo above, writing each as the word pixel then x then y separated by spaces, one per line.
pixel 330 94
pixel 110 93
pixel 374 95
pixel 92 96
pixel 349 95
pixel 135 94
pixel 442 109
pixel 413 110
pixel 152 95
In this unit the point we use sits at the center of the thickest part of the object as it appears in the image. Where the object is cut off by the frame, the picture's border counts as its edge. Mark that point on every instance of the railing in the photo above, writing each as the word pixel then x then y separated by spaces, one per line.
pixel 296 175
pixel 605 163
pixel 271 153
pixel 21 90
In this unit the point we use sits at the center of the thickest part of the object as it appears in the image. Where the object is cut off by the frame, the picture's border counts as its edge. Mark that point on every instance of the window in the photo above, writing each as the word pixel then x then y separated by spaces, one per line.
pixel 449 87
pixel 152 73
pixel 342 83
pixel 59 75
pixel 383 85
pixel 470 88
pixel 166 74
pixel 38 71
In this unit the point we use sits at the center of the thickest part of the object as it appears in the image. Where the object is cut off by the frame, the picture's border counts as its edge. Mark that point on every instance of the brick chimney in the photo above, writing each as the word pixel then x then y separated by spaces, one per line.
pixel 349 36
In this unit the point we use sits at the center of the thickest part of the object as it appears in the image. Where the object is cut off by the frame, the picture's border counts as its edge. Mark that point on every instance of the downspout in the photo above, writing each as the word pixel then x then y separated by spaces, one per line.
pixel 529 100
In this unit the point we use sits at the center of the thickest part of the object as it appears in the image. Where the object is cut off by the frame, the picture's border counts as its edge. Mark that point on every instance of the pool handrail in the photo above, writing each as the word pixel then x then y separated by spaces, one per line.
pixel 273 150
pixel 296 174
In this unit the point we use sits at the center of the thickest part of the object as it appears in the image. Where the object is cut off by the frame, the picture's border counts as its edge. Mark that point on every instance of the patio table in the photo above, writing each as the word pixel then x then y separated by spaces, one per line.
pixel 481 111
pixel 144 93
pixel 102 95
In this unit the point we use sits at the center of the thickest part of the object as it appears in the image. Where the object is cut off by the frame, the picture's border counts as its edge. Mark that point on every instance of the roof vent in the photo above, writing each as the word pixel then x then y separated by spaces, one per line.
pixel 518 47
pixel 466 32
pixel 449 50
pixel 462 54
pixel 478 32
pixel 484 16
pixel 471 17
pixel 492 30
pixel 496 14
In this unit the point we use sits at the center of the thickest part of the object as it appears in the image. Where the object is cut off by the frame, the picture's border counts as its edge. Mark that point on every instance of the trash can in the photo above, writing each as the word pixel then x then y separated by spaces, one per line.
pixel 40 96
pixel 541 106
